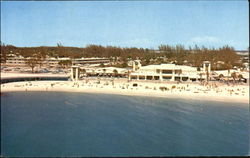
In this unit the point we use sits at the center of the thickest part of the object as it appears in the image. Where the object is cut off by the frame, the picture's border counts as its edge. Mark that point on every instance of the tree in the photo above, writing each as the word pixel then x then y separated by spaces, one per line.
pixel 115 72
pixel 41 55
pixel 147 61
pixel 3 52
pixel 229 56
pixel 40 60
pixel 32 63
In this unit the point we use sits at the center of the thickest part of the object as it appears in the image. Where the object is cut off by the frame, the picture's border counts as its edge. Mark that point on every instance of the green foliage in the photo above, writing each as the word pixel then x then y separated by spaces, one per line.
pixel 32 63
pixel 124 65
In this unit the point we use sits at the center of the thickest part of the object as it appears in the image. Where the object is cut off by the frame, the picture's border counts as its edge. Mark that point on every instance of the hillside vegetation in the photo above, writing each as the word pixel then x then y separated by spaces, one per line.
pixel 221 58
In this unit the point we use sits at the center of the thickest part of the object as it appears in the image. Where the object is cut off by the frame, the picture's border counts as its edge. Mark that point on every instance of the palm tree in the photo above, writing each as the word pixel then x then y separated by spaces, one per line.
pixel 32 63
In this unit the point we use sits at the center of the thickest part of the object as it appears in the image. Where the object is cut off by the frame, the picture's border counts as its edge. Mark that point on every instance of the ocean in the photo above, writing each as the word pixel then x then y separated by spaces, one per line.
pixel 79 124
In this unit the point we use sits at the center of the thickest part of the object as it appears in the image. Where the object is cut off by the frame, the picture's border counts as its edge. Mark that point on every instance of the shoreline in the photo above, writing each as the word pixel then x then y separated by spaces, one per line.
pixel 122 88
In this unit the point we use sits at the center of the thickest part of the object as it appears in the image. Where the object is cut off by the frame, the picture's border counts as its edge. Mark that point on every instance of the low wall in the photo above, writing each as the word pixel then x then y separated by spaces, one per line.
pixel 41 78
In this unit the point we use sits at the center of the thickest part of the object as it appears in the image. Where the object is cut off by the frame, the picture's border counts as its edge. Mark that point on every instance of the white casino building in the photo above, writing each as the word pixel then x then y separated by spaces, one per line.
pixel 168 72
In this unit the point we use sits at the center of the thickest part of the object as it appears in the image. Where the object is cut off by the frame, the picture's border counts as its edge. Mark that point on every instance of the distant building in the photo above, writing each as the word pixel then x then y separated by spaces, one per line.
pixel 83 61
pixel 13 60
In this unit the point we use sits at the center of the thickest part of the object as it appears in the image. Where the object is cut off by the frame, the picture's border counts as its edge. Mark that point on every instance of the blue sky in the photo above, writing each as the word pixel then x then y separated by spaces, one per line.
pixel 144 24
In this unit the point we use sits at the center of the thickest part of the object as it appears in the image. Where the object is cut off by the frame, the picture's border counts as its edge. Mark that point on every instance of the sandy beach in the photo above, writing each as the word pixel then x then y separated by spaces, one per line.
pixel 224 93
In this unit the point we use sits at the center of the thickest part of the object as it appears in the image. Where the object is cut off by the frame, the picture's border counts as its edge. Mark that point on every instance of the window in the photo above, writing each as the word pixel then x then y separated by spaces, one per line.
pixel 157 77
pixel 141 77
pixel 167 71
pixel 177 78
pixel 167 77
pixel 133 77
pixel 184 78
pixel 149 77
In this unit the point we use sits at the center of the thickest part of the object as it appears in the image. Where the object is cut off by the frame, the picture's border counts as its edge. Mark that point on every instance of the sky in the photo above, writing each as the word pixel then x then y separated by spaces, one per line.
pixel 145 24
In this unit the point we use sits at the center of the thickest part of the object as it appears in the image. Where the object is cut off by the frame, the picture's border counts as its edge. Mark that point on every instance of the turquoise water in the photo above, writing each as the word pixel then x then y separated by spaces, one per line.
pixel 75 124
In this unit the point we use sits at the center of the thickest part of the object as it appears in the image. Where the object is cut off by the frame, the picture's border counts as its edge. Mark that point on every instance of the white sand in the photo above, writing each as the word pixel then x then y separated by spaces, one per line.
pixel 239 93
